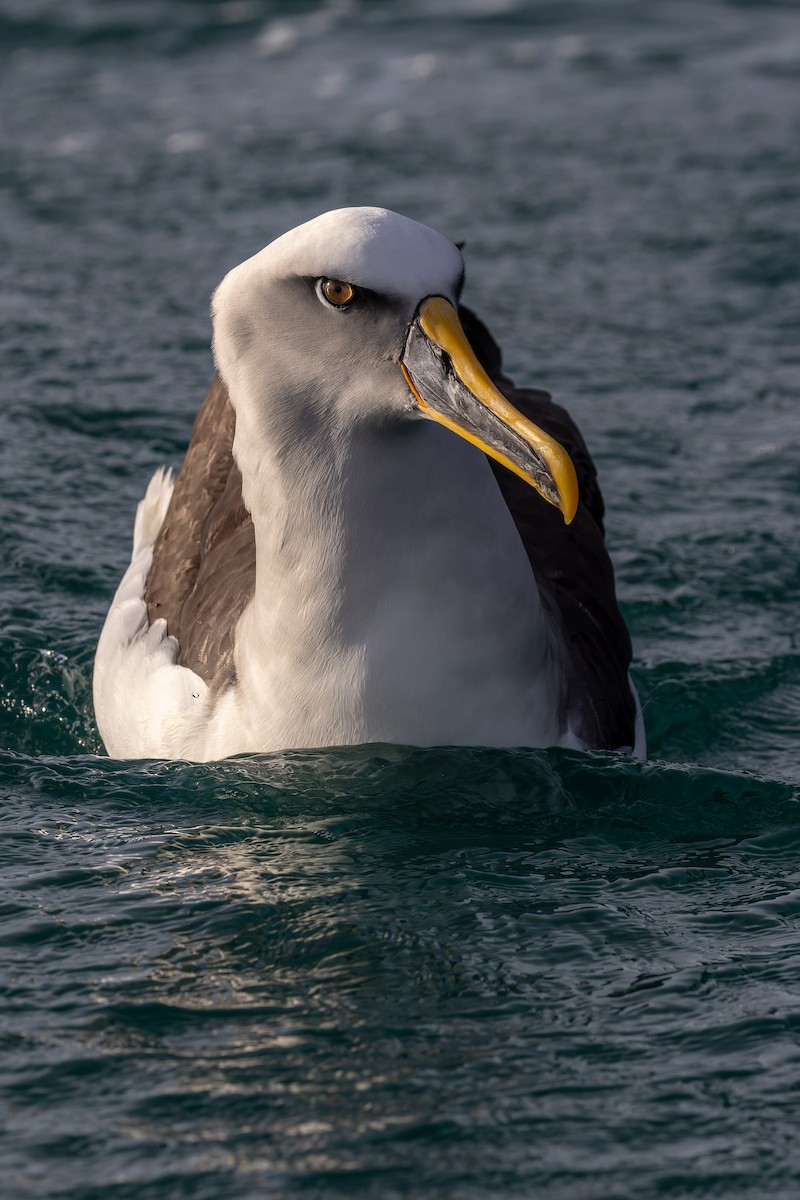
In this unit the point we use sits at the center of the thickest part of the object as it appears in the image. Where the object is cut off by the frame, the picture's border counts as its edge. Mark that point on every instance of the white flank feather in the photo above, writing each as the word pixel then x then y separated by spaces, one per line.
pixel 144 702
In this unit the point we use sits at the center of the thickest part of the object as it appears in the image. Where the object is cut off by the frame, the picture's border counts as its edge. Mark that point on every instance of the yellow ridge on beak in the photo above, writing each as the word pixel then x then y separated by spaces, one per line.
pixel 439 322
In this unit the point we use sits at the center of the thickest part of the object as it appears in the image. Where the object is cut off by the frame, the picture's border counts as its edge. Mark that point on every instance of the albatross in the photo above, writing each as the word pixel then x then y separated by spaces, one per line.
pixel 374 536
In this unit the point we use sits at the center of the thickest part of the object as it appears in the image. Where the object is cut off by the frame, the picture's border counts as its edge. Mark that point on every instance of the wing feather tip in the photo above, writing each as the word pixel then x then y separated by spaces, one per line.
pixel 152 509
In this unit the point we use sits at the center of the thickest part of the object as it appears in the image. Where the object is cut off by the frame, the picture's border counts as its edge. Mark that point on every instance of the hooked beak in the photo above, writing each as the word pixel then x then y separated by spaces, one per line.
pixel 451 387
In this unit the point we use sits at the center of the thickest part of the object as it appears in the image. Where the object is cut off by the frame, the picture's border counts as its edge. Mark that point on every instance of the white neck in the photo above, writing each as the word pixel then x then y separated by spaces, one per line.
pixel 394 600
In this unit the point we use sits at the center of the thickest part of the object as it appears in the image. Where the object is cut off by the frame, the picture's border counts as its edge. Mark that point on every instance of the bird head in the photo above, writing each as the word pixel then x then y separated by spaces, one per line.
pixel 352 319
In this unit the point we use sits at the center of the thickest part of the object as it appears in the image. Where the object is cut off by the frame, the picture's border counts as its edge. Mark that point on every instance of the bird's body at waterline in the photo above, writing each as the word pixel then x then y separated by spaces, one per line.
pixel 333 568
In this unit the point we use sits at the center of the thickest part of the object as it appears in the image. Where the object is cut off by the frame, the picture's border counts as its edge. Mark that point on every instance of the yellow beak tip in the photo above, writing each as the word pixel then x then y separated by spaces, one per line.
pixel 567 484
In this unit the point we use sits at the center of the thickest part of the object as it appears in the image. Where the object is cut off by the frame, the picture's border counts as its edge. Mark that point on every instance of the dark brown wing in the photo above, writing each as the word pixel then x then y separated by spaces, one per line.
pixel 204 561
pixel 572 567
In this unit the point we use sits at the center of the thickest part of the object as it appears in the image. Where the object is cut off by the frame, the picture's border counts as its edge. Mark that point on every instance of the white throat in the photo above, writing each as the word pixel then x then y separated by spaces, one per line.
pixel 394 600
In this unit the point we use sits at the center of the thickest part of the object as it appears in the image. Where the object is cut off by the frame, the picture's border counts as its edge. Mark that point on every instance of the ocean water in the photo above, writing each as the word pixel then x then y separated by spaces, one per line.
pixel 380 971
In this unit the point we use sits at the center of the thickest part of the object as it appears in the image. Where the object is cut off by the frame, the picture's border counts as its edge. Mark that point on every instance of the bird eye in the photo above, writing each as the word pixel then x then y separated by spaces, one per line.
pixel 337 292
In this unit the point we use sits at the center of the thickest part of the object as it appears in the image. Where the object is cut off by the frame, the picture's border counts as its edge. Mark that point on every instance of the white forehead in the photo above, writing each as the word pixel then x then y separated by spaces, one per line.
pixel 371 247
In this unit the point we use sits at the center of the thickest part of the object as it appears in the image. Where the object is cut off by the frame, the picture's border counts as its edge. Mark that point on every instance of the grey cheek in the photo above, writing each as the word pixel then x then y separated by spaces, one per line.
pixel 241 333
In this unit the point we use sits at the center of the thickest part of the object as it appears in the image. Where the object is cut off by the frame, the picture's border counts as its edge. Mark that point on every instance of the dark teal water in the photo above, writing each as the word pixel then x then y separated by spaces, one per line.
pixel 383 972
